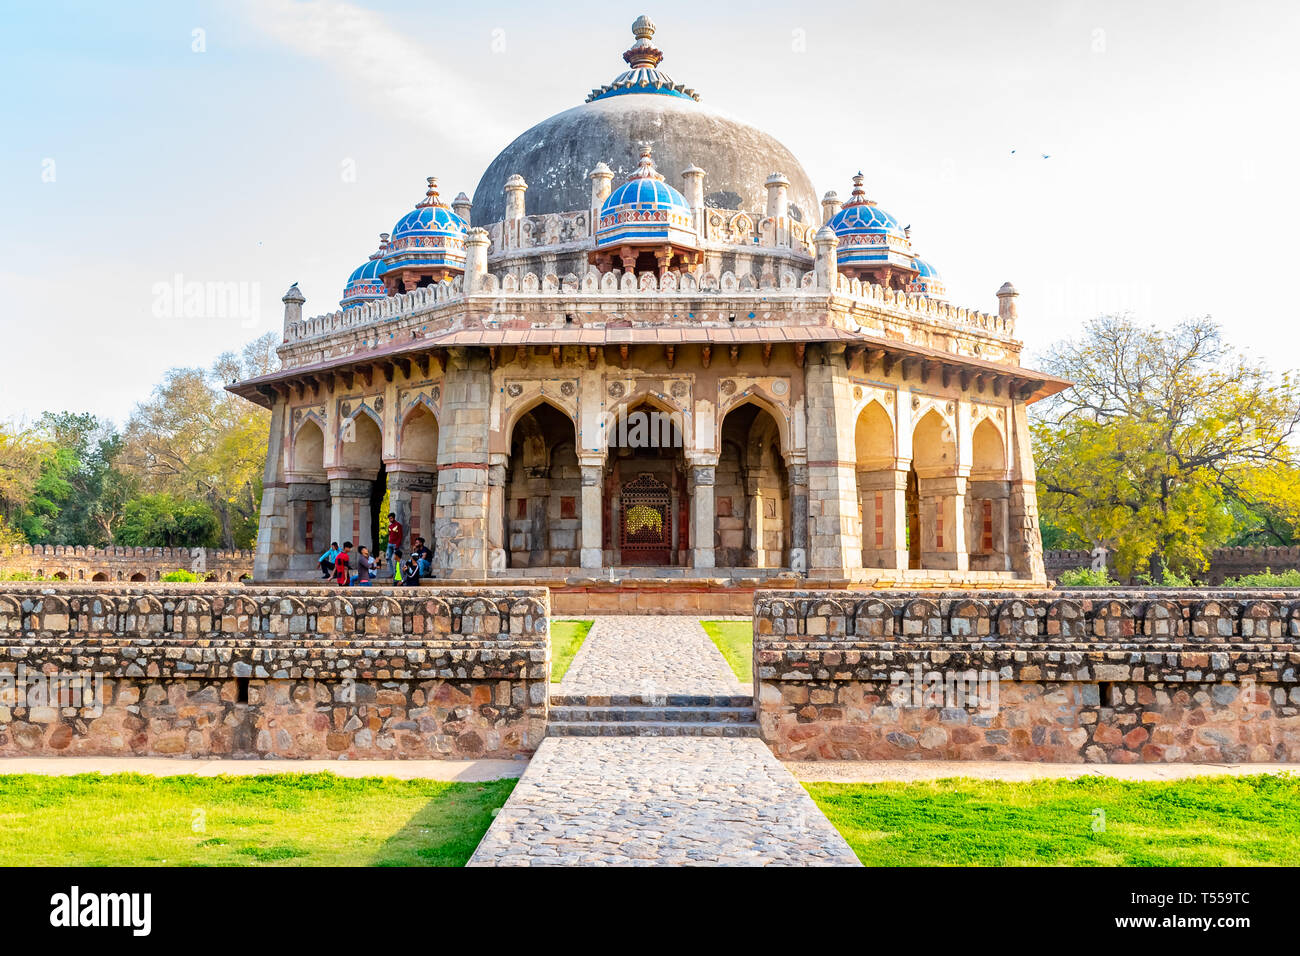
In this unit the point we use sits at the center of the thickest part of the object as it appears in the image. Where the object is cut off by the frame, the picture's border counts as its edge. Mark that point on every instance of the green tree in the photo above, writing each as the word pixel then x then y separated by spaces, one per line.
pixel 85 494
pixel 1162 437
pixel 193 439
pixel 165 521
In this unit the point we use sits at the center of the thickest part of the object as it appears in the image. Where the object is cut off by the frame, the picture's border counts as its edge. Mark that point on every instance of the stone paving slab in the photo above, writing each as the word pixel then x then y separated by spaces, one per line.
pixel 649 655
pixel 659 801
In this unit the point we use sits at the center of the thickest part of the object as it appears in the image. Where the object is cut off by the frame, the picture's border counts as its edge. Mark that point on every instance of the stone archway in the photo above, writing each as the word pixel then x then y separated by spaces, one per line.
pixel 543 491
pixel 751 491
pixel 988 500
pixel 645 521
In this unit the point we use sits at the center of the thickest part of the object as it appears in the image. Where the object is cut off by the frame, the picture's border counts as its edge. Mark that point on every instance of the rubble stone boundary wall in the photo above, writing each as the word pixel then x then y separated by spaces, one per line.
pixel 123 565
pixel 211 671
pixel 1224 562
pixel 1120 676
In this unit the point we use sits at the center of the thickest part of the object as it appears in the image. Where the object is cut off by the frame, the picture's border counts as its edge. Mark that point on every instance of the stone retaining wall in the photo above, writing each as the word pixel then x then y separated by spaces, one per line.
pixel 123 565
pixel 209 671
pixel 1107 677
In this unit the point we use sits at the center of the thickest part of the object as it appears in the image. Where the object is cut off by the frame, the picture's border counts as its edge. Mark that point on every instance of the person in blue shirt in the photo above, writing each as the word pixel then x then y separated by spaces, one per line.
pixel 326 561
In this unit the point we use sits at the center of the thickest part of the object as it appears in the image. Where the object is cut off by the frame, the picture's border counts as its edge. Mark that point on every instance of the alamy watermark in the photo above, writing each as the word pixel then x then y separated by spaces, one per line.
pixel 28 688
pixel 946 689
pixel 642 429
pixel 182 299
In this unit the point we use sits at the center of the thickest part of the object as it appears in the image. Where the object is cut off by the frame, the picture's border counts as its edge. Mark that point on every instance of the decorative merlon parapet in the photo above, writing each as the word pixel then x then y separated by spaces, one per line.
pixel 789 282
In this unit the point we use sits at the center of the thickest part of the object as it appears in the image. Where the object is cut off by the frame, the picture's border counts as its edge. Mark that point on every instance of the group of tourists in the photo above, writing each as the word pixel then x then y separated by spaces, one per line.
pixel 360 568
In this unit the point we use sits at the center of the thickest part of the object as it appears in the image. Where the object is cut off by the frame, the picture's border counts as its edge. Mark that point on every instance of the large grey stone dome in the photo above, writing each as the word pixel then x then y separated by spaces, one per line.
pixel 555 156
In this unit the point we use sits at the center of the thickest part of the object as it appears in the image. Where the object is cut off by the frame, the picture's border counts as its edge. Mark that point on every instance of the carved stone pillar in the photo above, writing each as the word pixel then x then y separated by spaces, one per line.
pixel 883 497
pixel 272 558
pixel 943 523
pixel 350 509
pixel 754 523
pixel 496 526
pixel 461 526
pixel 593 475
pixel 309 511
pixel 1025 542
pixel 407 493
pixel 798 472
pixel 835 528
pixel 703 511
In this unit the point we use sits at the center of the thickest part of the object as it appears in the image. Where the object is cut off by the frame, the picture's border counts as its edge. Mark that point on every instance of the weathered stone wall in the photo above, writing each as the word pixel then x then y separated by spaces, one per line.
pixel 1224 562
pixel 117 565
pixel 1104 677
pixel 197 670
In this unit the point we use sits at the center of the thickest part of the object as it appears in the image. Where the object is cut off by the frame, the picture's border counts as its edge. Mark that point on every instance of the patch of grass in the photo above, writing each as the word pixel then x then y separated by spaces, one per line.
pixel 736 641
pixel 314 819
pixel 1203 821
pixel 566 638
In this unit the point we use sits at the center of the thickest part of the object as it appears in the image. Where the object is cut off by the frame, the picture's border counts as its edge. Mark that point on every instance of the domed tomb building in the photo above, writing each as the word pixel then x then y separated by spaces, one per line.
pixel 646 345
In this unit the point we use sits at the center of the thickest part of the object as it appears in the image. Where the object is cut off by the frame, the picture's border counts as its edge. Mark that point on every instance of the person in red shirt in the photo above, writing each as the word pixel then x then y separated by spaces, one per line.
pixel 341 571
pixel 394 536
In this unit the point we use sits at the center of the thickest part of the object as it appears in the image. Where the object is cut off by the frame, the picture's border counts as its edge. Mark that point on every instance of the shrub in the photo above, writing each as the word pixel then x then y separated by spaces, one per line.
pixel 1086 578
pixel 1268 579
pixel 179 575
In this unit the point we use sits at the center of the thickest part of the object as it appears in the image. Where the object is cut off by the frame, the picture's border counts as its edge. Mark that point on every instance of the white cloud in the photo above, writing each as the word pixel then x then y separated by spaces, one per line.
pixel 389 70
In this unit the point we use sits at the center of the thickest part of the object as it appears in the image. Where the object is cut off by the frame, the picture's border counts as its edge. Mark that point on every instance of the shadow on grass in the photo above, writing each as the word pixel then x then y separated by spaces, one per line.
pixel 447 829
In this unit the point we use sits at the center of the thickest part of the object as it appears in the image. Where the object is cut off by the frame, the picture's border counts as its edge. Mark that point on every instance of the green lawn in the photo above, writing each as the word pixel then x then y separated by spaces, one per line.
pixel 1205 821
pixel 313 819
pixel 566 638
pixel 736 641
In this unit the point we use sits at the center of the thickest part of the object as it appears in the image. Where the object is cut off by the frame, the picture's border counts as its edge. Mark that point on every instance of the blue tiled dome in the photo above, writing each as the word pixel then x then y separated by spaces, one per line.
pixel 366 283
pixel 429 220
pixel 646 194
pixel 924 270
pixel 928 281
pixel 430 236
pixel 645 211
pixel 861 216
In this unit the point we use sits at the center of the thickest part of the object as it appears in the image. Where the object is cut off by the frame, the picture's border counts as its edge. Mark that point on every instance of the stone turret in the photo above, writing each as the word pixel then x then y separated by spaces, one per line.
pixel 293 300
pixel 1007 296
pixel 830 206
pixel 462 206
pixel 693 180
pixel 476 259
pixel 601 177
pixel 778 189
pixel 515 189
pixel 825 268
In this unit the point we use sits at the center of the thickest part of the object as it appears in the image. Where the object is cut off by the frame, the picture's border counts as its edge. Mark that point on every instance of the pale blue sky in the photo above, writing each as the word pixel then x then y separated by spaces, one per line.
pixel 129 159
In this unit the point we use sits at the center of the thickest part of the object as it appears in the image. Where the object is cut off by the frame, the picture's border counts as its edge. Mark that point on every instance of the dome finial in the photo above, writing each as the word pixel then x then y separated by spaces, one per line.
pixel 643 58
pixel 859 195
pixel 431 197
pixel 645 167
pixel 643 53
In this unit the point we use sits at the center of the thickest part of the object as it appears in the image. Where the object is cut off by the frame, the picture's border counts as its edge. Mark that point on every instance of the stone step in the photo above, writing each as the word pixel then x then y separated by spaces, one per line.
pixel 706 715
pixel 650 700
pixel 649 728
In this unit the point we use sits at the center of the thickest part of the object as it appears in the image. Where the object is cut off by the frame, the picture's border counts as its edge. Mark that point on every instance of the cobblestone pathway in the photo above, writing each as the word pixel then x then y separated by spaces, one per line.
pixel 649 655
pixel 650 800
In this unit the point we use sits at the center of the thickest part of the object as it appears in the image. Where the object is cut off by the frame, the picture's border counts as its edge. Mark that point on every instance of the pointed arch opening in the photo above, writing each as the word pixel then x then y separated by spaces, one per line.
pixel 882 501
pixel 543 490
pixel 752 503
pixel 988 500
pixel 644 520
